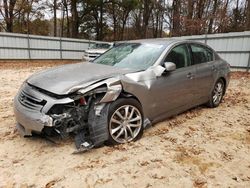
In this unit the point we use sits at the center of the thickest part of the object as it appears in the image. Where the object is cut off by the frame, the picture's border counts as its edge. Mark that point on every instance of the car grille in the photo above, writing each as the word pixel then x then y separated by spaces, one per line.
pixel 92 55
pixel 30 102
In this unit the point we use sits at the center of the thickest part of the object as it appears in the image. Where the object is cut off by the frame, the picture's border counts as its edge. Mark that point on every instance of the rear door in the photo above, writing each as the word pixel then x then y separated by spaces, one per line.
pixel 205 65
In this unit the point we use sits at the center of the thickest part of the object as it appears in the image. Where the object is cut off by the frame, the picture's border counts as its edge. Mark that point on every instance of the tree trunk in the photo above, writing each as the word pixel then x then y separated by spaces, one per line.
pixel 248 16
pixel 55 18
pixel 199 29
pixel 74 22
pixel 114 21
pixel 146 15
pixel 200 11
pixel 62 22
pixel 124 21
pixel 9 14
pixel 189 20
pixel 156 24
pixel 211 21
pixel 65 6
pixel 100 22
pixel 236 17
pixel 97 24
pixel 190 9
pixel 162 18
pixel 176 18
pixel 223 19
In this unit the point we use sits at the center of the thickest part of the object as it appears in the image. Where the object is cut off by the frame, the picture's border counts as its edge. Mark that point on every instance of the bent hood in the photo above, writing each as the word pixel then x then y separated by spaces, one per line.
pixel 60 80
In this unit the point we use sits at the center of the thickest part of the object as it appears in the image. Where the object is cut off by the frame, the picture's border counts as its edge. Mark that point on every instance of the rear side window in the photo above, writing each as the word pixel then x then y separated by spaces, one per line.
pixel 201 54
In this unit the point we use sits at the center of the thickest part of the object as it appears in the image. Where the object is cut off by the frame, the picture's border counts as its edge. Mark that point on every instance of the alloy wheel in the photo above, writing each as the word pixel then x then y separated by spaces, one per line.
pixel 125 124
pixel 218 93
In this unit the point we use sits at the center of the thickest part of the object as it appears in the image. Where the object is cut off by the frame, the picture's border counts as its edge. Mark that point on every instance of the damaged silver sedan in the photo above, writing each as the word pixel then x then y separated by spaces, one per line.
pixel 113 98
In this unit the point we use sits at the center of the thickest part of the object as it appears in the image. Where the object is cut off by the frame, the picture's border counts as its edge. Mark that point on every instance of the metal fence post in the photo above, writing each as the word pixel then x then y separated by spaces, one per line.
pixel 61 48
pixel 248 65
pixel 28 41
pixel 206 38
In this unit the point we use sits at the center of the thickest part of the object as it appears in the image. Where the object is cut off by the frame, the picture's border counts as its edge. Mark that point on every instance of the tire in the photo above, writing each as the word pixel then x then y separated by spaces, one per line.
pixel 125 121
pixel 216 94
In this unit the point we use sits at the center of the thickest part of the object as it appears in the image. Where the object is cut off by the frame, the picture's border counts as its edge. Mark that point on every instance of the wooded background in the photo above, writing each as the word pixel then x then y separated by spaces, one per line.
pixel 123 19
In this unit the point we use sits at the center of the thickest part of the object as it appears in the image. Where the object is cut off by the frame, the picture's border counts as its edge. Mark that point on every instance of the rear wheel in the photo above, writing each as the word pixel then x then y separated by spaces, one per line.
pixel 125 121
pixel 217 94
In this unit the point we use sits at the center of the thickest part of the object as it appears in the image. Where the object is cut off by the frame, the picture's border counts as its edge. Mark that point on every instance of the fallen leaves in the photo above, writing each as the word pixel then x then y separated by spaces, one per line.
pixel 189 156
pixel 200 182
pixel 53 182
pixel 143 163
pixel 226 156
pixel 157 176
pixel 234 97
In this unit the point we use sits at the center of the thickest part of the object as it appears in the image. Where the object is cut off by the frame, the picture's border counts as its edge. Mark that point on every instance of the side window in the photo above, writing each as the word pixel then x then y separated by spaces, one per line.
pixel 201 54
pixel 179 55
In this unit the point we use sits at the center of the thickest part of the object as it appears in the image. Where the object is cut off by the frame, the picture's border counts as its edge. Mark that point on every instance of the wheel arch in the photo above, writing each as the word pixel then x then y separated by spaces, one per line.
pixel 224 82
pixel 129 95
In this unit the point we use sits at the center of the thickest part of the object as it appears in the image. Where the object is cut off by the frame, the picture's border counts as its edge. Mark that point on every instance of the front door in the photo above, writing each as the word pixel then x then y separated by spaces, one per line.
pixel 174 91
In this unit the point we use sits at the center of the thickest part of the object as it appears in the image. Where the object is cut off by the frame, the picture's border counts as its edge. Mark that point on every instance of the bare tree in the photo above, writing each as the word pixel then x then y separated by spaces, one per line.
pixel 248 15
pixel 157 18
pixel 8 13
pixel 176 18
pixel 55 17
pixel 74 19
pixel 108 19
pixel 147 11
pixel 211 20
pixel 65 10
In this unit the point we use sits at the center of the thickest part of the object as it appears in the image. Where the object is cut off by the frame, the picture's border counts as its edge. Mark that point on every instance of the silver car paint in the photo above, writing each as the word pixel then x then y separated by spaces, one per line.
pixel 31 119
pixel 160 96
pixel 72 77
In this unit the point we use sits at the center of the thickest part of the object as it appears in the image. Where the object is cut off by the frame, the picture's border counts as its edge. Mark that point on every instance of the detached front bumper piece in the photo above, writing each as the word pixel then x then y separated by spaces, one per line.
pixel 29 121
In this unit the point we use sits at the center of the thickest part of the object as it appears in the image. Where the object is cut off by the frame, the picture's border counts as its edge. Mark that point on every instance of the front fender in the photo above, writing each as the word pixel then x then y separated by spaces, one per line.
pixel 112 90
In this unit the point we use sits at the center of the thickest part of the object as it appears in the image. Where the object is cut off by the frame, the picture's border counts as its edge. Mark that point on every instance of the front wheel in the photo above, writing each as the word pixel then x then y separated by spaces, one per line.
pixel 217 94
pixel 125 121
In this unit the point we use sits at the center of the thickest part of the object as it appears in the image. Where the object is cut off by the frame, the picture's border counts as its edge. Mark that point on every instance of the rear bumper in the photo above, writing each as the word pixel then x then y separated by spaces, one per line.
pixel 29 121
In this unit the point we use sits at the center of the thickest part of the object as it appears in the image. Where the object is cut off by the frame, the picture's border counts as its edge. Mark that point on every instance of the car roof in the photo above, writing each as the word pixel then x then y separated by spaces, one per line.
pixel 159 41
pixel 163 41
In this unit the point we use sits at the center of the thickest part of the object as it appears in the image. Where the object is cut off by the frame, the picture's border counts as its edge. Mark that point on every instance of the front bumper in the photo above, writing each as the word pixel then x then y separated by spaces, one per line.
pixel 90 57
pixel 31 115
pixel 29 121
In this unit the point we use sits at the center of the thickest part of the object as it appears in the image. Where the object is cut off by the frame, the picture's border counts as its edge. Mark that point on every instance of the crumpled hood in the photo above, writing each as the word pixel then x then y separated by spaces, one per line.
pixel 60 80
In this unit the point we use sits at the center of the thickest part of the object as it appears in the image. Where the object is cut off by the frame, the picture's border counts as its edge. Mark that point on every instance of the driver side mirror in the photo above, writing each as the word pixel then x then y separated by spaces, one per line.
pixel 169 66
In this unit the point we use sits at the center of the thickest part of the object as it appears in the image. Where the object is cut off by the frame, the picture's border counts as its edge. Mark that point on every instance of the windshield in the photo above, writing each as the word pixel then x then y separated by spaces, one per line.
pixel 133 56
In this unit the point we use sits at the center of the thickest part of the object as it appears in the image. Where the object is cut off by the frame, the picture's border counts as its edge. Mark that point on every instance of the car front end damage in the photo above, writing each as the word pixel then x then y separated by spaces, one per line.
pixel 83 112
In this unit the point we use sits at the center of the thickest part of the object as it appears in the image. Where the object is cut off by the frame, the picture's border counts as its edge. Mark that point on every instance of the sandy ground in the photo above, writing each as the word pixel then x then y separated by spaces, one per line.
pixel 200 148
